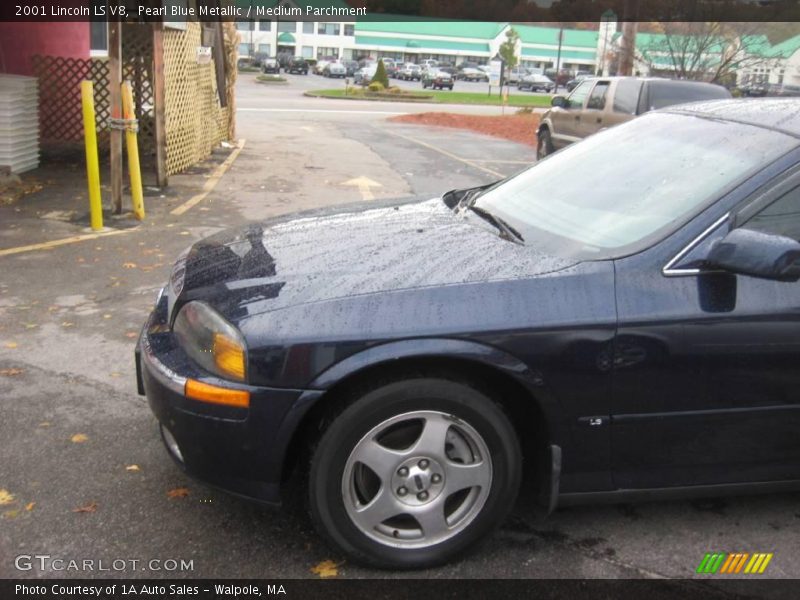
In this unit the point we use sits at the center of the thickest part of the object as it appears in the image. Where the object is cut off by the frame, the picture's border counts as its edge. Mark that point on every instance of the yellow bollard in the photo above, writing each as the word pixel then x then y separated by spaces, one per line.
pixel 134 170
pixel 92 164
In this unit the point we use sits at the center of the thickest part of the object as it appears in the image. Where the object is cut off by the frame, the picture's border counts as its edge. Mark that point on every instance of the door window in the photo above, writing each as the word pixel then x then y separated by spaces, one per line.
pixel 597 99
pixel 578 95
pixel 626 96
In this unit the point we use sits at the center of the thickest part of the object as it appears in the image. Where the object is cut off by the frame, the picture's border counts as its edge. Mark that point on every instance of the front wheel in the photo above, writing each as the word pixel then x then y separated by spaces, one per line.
pixel 544 144
pixel 414 473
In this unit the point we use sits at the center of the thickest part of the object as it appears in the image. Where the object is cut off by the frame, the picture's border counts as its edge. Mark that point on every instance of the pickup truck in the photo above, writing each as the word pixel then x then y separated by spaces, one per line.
pixel 603 102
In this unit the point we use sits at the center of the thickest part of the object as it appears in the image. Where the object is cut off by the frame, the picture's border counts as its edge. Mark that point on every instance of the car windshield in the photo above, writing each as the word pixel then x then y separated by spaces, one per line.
pixel 622 189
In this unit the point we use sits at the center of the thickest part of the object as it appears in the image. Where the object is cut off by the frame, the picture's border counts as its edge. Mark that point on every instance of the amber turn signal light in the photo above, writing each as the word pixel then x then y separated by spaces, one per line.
pixel 213 394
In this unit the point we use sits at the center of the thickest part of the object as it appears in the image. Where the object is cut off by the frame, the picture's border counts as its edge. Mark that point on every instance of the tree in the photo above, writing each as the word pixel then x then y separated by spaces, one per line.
pixel 508 49
pixel 707 51
pixel 380 75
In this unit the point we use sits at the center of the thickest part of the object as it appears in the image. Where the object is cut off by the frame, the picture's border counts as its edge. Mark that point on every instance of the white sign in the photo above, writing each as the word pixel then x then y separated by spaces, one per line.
pixel 203 55
pixel 495 67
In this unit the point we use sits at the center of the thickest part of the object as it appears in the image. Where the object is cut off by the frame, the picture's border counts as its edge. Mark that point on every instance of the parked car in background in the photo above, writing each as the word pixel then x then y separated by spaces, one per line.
pixel 618 322
pixel 536 83
pixel 297 64
pixel 270 65
pixel 429 63
pixel 471 74
pixel 602 102
pixel 388 64
pixel 320 66
pixel 561 78
pixel 513 76
pixel 284 58
pixel 573 83
pixel 410 72
pixel 364 75
pixel 350 67
pixel 755 89
pixel 450 69
pixel 334 69
pixel 437 79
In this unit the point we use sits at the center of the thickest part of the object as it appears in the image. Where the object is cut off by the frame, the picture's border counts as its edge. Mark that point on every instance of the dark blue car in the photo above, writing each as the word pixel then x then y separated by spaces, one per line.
pixel 619 321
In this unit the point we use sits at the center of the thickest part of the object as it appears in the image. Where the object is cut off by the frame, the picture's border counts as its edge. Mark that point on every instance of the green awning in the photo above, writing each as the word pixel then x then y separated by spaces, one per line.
pixel 286 38
pixel 370 41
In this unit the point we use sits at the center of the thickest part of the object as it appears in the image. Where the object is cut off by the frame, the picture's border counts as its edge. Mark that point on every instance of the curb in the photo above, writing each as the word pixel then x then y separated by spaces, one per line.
pixel 312 94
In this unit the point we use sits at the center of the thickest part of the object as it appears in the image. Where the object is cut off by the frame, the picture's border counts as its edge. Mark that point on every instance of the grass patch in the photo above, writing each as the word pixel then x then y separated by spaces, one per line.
pixel 249 69
pixel 270 78
pixel 440 97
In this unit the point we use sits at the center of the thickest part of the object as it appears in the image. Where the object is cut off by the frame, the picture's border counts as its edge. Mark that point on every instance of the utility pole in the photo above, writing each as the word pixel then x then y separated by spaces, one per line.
pixel 558 56
pixel 629 27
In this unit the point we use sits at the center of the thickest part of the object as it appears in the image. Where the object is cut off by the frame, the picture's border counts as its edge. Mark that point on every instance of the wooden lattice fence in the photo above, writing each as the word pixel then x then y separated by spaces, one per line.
pixel 195 122
pixel 60 117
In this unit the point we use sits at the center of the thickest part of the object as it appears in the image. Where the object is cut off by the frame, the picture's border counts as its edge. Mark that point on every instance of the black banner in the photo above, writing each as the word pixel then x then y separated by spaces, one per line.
pixel 398 10
pixel 714 588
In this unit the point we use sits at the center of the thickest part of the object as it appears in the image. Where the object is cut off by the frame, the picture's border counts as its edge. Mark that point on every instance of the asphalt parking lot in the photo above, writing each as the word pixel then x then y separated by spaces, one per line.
pixel 82 458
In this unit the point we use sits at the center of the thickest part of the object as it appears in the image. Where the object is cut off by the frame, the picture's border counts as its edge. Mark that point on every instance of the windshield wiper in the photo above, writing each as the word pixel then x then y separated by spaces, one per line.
pixel 506 231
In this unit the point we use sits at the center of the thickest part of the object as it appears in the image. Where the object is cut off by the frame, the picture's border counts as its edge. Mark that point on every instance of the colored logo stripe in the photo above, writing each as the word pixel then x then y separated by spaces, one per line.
pixel 723 562
pixel 711 562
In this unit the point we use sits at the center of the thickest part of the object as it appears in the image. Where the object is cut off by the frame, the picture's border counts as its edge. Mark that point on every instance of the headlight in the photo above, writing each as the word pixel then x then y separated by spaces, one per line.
pixel 211 341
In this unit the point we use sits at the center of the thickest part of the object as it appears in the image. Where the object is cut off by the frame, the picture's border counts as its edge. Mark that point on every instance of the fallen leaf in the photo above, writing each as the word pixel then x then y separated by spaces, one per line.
pixel 115 374
pixel 79 438
pixel 131 334
pixel 44 424
pixel 31 325
pixel 132 468
pixel 128 265
pixel 6 497
pixel 11 345
pixel 12 372
pixel 180 492
pixel 29 506
pixel 10 514
pixel 327 568
pixel 67 324
pixel 89 508
pixel 106 316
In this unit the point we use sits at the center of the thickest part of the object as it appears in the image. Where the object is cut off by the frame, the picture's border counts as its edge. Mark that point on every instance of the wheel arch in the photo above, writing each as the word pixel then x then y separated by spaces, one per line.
pixel 509 381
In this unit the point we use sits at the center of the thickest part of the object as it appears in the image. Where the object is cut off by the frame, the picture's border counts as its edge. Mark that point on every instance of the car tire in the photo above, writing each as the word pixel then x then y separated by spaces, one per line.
pixel 428 513
pixel 544 144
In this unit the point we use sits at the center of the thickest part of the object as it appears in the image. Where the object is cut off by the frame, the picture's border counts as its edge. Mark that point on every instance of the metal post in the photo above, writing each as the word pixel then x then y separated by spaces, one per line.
pixel 92 162
pixel 558 57
pixel 134 169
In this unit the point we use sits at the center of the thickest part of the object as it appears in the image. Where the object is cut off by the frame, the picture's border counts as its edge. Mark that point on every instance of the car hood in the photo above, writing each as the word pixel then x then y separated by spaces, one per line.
pixel 273 265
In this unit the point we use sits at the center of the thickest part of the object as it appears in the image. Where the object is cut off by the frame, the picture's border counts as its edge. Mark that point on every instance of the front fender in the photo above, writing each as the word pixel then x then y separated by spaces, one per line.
pixel 428 347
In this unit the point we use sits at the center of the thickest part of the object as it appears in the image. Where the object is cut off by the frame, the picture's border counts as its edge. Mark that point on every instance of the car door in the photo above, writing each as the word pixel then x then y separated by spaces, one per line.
pixel 566 120
pixel 706 386
pixel 592 116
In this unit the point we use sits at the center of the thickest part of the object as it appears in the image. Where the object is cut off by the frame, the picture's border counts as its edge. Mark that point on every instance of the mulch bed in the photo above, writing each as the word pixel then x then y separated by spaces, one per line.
pixel 517 128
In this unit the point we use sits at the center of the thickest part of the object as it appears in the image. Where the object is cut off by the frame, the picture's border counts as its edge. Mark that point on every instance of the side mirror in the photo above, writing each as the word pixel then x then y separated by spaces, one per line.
pixel 559 101
pixel 749 252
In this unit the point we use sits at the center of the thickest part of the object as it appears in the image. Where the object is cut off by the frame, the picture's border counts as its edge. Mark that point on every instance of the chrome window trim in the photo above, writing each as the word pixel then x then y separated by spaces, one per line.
pixel 668 271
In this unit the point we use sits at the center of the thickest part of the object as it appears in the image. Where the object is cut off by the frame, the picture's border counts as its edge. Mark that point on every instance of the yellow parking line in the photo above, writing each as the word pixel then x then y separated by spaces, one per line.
pixel 63 241
pixel 466 161
pixel 210 183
